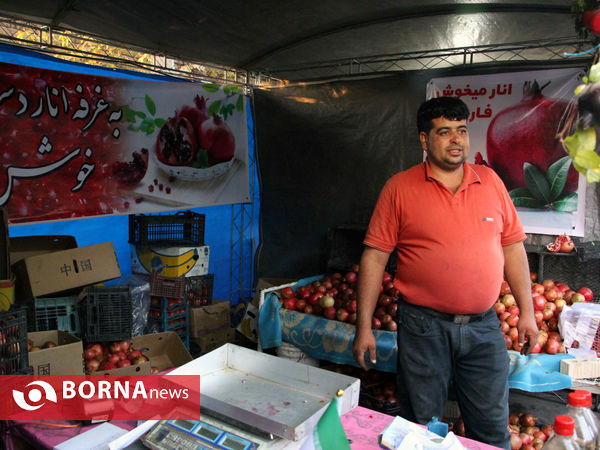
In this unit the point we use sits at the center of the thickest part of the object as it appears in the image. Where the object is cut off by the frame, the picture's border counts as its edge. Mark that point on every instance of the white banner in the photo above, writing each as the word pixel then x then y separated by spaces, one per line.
pixel 513 123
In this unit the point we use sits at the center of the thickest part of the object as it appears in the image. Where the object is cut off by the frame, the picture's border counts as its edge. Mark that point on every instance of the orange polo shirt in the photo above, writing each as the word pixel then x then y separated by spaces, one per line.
pixel 449 245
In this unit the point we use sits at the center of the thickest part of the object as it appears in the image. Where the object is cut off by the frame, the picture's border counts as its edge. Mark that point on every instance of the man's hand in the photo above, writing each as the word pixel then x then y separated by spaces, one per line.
pixel 528 332
pixel 364 341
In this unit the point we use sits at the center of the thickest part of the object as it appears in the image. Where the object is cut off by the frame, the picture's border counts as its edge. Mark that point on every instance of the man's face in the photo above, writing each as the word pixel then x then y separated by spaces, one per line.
pixel 447 144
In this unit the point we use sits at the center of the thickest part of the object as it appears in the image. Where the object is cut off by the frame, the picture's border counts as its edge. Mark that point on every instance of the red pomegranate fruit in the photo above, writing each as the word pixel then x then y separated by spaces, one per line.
pixel 195 114
pixel 176 143
pixel 526 132
pixel 132 172
pixel 217 139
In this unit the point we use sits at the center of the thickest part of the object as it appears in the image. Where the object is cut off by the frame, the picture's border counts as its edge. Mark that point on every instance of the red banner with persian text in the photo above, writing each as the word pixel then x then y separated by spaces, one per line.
pixel 74 145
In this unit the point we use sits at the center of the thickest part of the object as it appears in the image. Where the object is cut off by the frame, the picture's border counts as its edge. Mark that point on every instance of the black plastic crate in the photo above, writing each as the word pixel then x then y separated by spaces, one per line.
pixel 169 287
pixel 345 247
pixel 105 314
pixel 182 228
pixel 14 357
pixel 199 290
pixel 59 313
pixel 570 270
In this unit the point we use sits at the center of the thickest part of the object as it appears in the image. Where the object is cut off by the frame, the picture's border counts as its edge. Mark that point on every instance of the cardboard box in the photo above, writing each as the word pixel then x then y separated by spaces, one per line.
pixel 215 340
pixel 208 319
pixel 25 246
pixel 248 326
pixel 164 351
pixel 265 283
pixel 169 261
pixel 66 270
pixel 64 359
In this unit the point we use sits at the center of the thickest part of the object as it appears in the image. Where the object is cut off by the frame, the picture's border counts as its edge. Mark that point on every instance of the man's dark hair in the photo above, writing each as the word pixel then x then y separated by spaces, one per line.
pixel 451 108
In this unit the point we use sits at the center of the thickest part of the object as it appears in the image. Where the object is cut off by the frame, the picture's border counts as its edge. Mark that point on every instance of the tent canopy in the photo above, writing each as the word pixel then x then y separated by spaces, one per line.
pixel 302 40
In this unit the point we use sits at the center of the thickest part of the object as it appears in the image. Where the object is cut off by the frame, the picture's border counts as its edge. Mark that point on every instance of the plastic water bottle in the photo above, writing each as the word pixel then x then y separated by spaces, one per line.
pixel 562 437
pixel 586 425
pixel 437 427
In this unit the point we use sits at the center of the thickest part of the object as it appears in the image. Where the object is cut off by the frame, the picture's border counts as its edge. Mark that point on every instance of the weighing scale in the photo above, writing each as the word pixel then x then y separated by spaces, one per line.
pixel 251 400
pixel 212 433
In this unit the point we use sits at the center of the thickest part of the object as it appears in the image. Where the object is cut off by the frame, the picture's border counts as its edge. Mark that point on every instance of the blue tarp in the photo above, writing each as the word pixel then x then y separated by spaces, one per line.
pixel 221 229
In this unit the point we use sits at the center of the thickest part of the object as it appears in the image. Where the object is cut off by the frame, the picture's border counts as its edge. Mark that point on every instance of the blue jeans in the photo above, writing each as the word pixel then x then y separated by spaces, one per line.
pixel 434 353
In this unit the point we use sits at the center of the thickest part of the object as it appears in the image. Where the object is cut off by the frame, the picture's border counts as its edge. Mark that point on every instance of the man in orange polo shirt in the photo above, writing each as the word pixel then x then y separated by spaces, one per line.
pixel 456 233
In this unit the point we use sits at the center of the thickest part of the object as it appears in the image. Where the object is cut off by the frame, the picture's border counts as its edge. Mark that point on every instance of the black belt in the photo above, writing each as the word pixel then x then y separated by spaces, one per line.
pixel 456 318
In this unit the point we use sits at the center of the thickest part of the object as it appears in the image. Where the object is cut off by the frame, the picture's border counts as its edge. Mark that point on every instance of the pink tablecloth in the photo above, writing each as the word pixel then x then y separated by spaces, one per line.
pixel 362 427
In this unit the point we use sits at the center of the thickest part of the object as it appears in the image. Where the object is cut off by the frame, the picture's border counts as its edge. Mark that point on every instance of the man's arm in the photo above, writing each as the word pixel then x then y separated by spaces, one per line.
pixel 516 271
pixel 372 266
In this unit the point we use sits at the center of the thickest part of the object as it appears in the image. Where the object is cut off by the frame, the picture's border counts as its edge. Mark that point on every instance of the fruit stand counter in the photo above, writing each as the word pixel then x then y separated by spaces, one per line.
pixel 331 340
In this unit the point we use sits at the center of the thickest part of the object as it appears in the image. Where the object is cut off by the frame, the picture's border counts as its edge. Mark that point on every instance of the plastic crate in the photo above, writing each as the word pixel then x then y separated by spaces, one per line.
pixel 169 287
pixel 105 314
pixel 182 228
pixel 163 316
pixel 199 290
pixel 58 313
pixel 570 270
pixel 14 358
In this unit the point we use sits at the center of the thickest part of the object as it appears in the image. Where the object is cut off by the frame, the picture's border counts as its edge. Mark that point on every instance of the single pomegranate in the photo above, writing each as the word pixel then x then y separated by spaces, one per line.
pixel 176 143
pixel 196 115
pixel 526 132
pixel 132 172
pixel 217 139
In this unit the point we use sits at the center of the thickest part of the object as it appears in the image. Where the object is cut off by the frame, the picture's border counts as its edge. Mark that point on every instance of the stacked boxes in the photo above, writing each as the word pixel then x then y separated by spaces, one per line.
pixel 210 326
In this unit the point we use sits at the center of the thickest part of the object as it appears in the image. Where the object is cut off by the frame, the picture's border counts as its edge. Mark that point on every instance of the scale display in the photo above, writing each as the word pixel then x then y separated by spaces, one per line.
pixel 195 435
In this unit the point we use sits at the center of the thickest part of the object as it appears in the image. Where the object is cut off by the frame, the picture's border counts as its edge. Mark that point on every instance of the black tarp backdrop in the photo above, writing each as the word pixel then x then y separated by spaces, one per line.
pixel 324 152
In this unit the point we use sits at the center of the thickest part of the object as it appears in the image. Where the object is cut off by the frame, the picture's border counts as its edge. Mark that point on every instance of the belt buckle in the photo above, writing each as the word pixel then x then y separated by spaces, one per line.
pixel 461 318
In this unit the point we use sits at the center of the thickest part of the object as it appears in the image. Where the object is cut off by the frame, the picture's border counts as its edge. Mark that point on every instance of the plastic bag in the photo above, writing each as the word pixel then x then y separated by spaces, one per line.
pixel 579 322
pixel 401 434
pixel 140 303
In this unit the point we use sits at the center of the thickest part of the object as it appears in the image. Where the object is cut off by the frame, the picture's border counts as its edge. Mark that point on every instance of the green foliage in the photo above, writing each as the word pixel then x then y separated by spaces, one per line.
pixel 581 143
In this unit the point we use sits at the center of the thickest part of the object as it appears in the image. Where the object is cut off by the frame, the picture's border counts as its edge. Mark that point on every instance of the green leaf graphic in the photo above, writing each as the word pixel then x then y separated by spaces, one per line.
pixel 158 122
pixel 214 107
pixel 201 159
pixel 568 203
pixel 150 105
pixel 226 110
pixel 536 182
pixel 239 105
pixel 232 89
pixel 128 114
pixel 140 114
pixel 522 197
pixel 210 87
pixel 557 176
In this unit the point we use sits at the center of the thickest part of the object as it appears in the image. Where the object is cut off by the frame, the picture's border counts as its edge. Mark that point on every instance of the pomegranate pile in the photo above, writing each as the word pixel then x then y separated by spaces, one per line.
pixel 526 433
pixel 334 297
pixel 111 355
pixel 549 299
